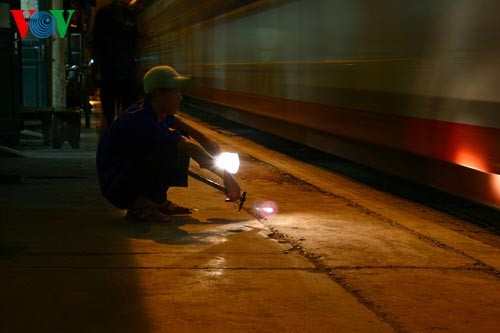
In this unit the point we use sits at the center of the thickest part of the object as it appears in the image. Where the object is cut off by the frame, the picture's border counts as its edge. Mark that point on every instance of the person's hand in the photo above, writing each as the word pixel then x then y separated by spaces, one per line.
pixel 233 190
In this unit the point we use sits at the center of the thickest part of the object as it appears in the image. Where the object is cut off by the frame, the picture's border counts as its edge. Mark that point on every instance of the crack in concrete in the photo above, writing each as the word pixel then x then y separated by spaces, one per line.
pixel 203 268
pixel 314 259
pixel 485 267
pixel 471 267
pixel 97 254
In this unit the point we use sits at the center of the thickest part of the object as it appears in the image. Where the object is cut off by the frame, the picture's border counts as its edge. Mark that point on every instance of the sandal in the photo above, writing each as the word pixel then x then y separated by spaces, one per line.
pixel 170 208
pixel 150 214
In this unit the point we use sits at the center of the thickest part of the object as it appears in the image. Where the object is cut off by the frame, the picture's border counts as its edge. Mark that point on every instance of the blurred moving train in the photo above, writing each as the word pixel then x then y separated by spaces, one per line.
pixel 409 87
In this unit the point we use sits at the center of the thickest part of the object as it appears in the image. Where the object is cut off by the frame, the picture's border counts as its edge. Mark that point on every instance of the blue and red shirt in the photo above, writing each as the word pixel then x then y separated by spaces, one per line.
pixel 132 140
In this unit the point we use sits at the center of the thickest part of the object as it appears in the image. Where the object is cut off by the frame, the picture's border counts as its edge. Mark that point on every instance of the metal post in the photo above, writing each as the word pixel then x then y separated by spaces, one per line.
pixel 58 77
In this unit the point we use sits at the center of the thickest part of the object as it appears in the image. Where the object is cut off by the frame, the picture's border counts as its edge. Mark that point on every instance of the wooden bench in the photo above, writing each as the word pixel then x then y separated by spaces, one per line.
pixel 58 125
pixel 42 113
pixel 66 125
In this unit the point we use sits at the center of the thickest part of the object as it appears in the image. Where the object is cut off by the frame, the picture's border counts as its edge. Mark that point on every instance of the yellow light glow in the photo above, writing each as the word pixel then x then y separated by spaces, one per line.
pixel 229 162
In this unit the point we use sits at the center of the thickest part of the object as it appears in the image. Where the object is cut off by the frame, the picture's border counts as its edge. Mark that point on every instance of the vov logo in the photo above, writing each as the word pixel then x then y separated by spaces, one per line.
pixel 42 24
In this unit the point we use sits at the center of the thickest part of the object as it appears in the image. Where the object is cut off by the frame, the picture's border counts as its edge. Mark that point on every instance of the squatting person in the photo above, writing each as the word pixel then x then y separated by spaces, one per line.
pixel 147 150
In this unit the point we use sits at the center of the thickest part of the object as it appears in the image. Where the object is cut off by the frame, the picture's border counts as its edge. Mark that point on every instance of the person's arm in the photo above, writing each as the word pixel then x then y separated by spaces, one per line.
pixel 207 161
pixel 209 145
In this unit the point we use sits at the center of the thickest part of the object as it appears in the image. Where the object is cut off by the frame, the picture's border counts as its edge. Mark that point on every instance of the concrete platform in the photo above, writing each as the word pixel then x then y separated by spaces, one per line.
pixel 72 263
pixel 339 256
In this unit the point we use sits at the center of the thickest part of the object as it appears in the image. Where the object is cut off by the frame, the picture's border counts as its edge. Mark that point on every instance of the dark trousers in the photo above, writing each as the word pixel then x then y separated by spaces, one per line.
pixel 116 94
pixel 172 171
pixel 150 176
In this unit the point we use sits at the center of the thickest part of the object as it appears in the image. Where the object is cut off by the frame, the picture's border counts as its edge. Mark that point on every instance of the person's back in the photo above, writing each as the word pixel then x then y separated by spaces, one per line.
pixel 134 143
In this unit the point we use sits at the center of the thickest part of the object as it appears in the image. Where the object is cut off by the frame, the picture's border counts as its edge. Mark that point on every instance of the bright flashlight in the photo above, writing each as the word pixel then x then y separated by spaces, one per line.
pixel 228 161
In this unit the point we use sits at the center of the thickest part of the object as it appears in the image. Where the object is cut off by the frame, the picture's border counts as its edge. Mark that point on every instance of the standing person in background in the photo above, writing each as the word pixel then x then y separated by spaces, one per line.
pixel 114 42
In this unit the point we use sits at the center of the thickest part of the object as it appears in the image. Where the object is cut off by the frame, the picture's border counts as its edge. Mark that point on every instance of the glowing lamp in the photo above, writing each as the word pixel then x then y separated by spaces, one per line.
pixel 228 161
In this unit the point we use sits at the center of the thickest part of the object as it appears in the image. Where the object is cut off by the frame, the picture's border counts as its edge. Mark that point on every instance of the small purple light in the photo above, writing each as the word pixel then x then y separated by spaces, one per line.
pixel 266 208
